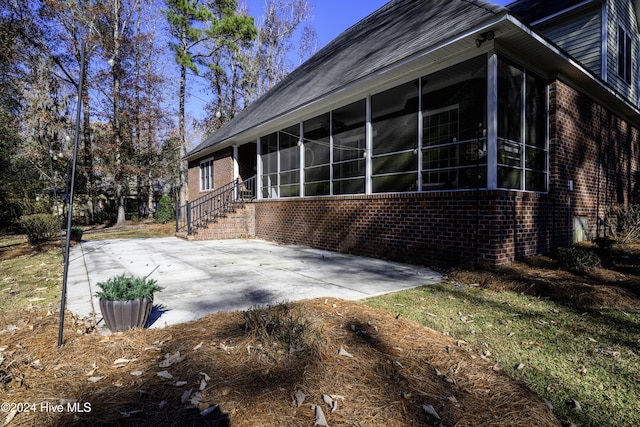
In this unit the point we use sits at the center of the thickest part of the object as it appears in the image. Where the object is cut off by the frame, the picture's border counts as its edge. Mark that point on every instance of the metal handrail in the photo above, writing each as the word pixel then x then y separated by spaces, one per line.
pixel 208 208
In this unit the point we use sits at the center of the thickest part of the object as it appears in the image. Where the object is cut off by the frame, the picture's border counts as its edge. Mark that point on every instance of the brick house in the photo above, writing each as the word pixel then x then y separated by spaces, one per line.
pixel 453 131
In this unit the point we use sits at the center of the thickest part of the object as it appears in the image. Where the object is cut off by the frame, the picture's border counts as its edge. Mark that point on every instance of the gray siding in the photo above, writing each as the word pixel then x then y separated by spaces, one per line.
pixel 621 12
pixel 579 35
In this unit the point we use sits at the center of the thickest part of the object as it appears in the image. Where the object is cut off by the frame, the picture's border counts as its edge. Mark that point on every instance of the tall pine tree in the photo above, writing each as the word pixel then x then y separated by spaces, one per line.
pixel 198 31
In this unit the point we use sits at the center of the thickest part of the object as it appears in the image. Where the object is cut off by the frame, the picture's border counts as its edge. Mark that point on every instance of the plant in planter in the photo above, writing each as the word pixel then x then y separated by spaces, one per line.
pixel 76 233
pixel 126 301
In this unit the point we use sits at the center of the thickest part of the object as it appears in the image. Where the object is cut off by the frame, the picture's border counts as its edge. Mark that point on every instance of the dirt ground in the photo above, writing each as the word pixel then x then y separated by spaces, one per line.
pixel 345 364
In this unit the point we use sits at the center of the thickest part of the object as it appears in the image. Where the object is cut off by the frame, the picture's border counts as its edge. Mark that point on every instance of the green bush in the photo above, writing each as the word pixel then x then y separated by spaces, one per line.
pixel 164 213
pixel 577 259
pixel 126 288
pixel 39 227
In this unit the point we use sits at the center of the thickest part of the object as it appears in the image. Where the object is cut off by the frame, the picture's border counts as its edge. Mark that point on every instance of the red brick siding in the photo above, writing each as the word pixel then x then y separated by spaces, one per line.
pixel 425 228
pixel 595 149
pixel 222 172
pixel 235 225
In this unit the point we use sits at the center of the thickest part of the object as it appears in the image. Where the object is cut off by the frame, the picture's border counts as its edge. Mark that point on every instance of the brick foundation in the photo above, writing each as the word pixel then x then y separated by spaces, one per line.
pixel 468 227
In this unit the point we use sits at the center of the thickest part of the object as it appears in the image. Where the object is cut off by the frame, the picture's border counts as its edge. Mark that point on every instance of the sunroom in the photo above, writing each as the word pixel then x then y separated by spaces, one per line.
pixel 478 124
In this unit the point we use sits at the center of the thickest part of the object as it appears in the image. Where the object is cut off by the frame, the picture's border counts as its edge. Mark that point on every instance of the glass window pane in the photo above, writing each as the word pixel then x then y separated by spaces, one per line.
pixel 401 162
pixel 509 153
pixel 454 117
pixel 351 186
pixel 536 117
pixel 289 150
pixel 509 177
pixel 269 150
pixel 536 159
pixel 536 181
pixel 349 138
pixel 463 85
pixel 509 101
pixel 395 183
pixel 395 119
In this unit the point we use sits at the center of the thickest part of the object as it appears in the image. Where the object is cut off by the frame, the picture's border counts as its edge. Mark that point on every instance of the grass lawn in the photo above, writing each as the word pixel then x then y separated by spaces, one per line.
pixel 585 362
pixel 32 276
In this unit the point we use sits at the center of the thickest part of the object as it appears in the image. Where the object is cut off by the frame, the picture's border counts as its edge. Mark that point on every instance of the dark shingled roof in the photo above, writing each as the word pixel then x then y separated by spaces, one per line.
pixel 533 10
pixel 395 31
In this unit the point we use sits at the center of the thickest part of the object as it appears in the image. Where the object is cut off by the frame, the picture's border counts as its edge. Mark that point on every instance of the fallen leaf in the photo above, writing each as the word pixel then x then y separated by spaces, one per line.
pixel 549 404
pixel 203 384
pixel 344 352
pixel 321 420
pixel 185 396
pixel 164 374
pixel 431 411
pixel 180 383
pixel 520 366
pixel 171 359
pixel 198 346
pixel 299 396
pixel 206 377
pixel 95 379
pixel 226 348
pixel 10 417
pixel 137 373
pixel 195 399
pixel 576 405
pixel 209 410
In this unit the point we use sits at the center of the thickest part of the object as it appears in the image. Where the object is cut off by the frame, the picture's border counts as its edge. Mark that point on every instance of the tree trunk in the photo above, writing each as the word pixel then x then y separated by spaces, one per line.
pixel 182 136
pixel 119 175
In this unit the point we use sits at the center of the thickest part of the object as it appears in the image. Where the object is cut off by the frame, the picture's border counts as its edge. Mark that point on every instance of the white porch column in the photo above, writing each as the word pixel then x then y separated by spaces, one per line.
pixel 236 168
pixel 301 146
pixel 258 169
pixel 492 121
pixel 368 152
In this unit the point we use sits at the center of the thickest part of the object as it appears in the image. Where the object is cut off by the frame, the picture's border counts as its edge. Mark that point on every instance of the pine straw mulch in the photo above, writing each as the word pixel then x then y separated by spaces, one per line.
pixel 389 372
pixel 614 284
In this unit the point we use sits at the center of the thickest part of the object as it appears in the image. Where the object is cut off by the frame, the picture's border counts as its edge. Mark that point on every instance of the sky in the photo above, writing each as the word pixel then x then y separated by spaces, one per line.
pixel 329 19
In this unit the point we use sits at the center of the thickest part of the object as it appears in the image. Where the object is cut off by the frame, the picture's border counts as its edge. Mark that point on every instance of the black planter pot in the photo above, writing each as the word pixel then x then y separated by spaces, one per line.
pixel 75 235
pixel 124 315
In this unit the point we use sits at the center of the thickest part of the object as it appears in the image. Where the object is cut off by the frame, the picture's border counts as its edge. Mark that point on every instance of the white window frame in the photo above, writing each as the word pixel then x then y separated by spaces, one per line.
pixel 627 62
pixel 206 174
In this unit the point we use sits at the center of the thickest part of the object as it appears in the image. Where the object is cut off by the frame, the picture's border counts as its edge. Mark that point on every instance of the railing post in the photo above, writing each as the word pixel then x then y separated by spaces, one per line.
pixel 188 219
pixel 177 217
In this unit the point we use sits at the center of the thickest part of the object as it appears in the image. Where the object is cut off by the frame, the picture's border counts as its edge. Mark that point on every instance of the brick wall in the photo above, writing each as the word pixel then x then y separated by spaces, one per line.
pixel 489 227
pixel 222 172
pixel 594 148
